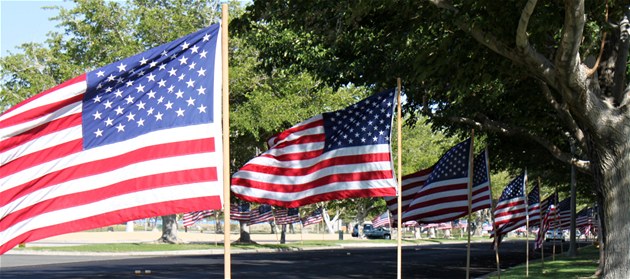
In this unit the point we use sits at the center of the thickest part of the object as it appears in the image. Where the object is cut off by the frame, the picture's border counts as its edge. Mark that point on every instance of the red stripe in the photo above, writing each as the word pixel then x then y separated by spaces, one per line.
pixel 39 112
pixel 115 217
pixel 439 189
pixel 288 132
pixel 113 190
pixel 335 161
pixel 295 156
pixel 302 140
pixel 343 194
pixel 40 95
pixel 101 166
pixel 436 216
pixel 43 156
pixel 322 181
pixel 42 130
pixel 439 201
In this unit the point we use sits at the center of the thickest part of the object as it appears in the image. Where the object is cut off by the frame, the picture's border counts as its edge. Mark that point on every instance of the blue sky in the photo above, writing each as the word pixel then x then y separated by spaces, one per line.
pixel 25 21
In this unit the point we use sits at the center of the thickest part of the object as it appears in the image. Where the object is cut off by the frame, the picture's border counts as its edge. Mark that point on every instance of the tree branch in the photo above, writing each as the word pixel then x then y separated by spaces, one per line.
pixel 565 114
pixel 568 59
pixel 502 128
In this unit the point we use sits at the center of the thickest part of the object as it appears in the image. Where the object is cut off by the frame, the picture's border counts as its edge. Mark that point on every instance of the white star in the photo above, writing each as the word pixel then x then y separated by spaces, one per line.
pixel 158 116
pixel 131 116
pixel 140 122
pixel 161 83
pixel 192 66
pixel 120 127
pixel 190 83
pixel 203 54
pixel 143 61
pixel 181 77
pixel 152 64
pixel 168 105
pixel 194 49
pixel 172 72
pixel 97 115
pixel 190 101
pixel 151 77
pixel 98 133
pixel 97 99
pixel 129 99
pixel 151 94
pixel 122 67
pixel 119 110
pixel 108 89
pixel 140 105
pixel 171 88
pixel 129 83
pixel 100 73
pixel 180 112
pixel 183 60
pixel 206 37
pixel 160 100
pixel 108 104
pixel 164 53
pixel 140 88
pixel 202 108
pixel 201 72
pixel 185 45
pixel 179 94
pixel 162 67
pixel 150 111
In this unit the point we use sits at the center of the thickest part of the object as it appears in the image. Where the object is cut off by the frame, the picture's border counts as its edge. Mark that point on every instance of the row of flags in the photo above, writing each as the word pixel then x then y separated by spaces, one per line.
pixel 261 214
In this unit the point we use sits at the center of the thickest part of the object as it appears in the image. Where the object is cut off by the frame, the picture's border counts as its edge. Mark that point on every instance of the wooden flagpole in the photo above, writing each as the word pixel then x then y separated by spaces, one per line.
pixel 492 213
pixel 225 81
pixel 471 169
pixel 540 226
pixel 526 226
pixel 399 198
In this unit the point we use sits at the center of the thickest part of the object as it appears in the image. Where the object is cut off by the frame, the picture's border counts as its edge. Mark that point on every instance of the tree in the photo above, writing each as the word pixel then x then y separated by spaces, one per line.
pixel 531 77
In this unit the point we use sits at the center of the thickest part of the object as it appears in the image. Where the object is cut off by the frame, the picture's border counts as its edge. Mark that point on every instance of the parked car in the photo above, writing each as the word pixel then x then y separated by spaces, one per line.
pixel 555 235
pixel 379 232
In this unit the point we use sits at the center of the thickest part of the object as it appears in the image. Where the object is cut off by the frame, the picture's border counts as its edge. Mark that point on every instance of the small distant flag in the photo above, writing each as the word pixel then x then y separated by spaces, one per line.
pixel 287 216
pixel 240 212
pixel 315 217
pixel 381 220
pixel 261 214
pixel 191 218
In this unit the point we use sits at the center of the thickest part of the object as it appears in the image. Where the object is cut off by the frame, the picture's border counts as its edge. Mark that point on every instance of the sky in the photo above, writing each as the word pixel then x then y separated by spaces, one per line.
pixel 23 21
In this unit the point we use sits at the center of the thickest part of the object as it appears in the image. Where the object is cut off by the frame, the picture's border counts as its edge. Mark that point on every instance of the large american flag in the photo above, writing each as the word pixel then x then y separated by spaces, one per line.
pixel 261 214
pixel 287 216
pixel 335 155
pixel 444 197
pixel 138 138
pixel 190 218
pixel 315 217
pixel 511 207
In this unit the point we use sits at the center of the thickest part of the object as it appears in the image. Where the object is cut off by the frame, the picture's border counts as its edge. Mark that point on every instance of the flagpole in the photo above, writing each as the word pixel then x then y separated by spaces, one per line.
pixel 471 160
pixel 526 225
pixel 225 81
pixel 399 178
pixel 492 212
pixel 496 241
pixel 540 227
pixel 555 219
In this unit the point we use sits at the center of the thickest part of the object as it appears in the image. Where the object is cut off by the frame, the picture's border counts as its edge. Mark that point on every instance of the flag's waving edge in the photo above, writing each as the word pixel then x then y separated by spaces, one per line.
pixel 138 138
pixel 335 155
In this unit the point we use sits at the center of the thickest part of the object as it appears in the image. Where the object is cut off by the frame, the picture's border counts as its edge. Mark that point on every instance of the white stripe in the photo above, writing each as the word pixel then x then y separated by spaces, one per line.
pixel 332 170
pixel 17 129
pixel 61 94
pixel 116 203
pixel 332 187
pixel 348 151
pixel 110 150
pixel 41 143
pixel 94 182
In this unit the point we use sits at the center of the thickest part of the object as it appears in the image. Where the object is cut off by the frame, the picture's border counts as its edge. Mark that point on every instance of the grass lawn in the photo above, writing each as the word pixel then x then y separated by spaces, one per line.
pixel 583 265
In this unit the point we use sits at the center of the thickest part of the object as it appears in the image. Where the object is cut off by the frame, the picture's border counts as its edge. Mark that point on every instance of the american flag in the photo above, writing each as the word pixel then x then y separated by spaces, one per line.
pixel 562 218
pixel 261 214
pixel 315 217
pixel 533 201
pixel 137 138
pixel 335 155
pixel 411 184
pixel 287 216
pixel 511 207
pixel 548 208
pixel 381 220
pixel 444 196
pixel 584 217
pixel 191 218
pixel 240 212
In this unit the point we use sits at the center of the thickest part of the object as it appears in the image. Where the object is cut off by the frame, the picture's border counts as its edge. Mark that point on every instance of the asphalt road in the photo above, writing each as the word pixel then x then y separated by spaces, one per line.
pixel 425 261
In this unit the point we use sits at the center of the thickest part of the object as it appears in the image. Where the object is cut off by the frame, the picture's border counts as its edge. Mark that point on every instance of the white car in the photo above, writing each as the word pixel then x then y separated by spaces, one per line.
pixel 555 235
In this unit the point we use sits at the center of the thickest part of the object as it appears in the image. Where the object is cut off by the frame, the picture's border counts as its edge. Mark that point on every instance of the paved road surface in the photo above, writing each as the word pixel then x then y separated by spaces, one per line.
pixel 425 261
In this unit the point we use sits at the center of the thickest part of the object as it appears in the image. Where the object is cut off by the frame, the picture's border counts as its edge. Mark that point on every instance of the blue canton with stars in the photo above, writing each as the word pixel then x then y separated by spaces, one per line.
pixel 480 174
pixel 453 165
pixel 367 122
pixel 165 87
pixel 515 189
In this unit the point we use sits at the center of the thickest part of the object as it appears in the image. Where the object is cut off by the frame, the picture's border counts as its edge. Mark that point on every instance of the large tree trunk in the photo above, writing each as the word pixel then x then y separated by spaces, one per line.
pixel 169 229
pixel 244 233
pixel 611 165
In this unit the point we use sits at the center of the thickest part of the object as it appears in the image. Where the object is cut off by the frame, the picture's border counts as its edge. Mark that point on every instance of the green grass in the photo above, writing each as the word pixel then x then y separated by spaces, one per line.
pixel 583 265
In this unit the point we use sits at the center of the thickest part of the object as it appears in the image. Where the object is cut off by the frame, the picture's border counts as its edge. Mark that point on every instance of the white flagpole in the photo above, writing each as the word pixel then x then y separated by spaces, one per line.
pixel 471 160
pixel 399 219
pixel 225 81
pixel 526 225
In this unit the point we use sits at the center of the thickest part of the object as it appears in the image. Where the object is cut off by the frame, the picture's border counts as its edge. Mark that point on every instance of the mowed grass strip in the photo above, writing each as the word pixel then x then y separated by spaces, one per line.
pixel 582 266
